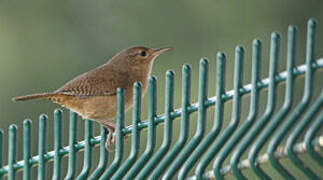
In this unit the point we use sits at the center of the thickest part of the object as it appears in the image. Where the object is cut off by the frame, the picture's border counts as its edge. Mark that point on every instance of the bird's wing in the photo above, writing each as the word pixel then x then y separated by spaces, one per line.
pixel 94 83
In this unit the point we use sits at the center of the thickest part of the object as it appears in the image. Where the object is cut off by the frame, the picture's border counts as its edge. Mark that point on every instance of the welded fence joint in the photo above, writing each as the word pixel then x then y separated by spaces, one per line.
pixel 159 160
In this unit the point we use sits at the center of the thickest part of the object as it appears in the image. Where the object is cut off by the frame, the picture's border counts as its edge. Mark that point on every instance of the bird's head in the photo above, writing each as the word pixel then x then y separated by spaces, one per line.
pixel 140 55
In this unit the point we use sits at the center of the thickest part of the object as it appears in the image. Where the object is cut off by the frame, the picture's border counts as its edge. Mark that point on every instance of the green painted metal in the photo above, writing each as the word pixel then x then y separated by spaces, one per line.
pixel 119 137
pixel 57 144
pixel 300 108
pixel 250 118
pixel 189 148
pixel 238 72
pixel 72 150
pixel 88 149
pixel 151 138
pixel 219 109
pixel 310 135
pixel 255 130
pixel 12 151
pixel 42 146
pixel 281 114
pixel 291 141
pixel 186 95
pixel 169 161
pixel 220 90
pixel 43 156
pixel 103 156
pixel 1 152
pixel 253 109
pixel 27 125
pixel 169 103
pixel 135 133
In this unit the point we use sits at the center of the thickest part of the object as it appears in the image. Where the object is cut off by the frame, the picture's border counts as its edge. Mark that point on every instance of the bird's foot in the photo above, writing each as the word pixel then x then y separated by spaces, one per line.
pixel 111 138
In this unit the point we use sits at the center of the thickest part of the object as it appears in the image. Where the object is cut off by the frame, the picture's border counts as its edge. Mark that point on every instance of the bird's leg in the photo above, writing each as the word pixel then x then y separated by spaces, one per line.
pixel 111 129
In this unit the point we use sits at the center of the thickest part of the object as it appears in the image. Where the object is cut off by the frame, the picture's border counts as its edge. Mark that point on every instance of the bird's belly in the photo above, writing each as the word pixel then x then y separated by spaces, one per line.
pixel 97 108
pixel 100 108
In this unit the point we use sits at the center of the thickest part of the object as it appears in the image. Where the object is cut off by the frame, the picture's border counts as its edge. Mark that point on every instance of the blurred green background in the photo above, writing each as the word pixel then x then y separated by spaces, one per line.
pixel 43 44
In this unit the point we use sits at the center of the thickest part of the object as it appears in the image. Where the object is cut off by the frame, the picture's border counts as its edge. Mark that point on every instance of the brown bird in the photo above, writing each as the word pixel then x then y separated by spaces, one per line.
pixel 93 94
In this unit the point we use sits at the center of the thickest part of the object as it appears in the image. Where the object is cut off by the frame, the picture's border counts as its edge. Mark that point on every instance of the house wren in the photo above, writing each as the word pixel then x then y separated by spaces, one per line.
pixel 93 94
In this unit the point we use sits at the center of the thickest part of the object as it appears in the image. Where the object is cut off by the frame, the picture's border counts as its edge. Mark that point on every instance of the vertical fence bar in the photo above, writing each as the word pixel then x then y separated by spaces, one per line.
pixel 309 136
pixel 271 102
pixel 151 138
pixel 103 156
pixel 27 125
pixel 57 144
pixel 235 116
pixel 287 102
pixel 217 124
pixel 256 54
pixel 1 153
pixel 282 113
pixel 274 46
pixel 119 141
pixel 135 135
pixel 291 141
pixel 42 146
pixel 88 150
pixel 12 152
pixel 186 95
pixel 220 107
pixel 169 107
pixel 252 112
pixel 300 108
pixel 72 149
pixel 189 148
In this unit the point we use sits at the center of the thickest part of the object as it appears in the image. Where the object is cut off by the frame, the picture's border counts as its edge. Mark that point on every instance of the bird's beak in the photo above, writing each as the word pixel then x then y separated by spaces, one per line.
pixel 159 51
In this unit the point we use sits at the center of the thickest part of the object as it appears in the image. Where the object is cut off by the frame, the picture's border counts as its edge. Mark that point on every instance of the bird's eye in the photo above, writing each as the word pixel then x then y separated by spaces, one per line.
pixel 143 53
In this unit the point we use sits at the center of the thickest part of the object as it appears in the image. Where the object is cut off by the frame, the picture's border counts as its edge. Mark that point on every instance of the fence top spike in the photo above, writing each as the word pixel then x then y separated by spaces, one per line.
pixel 27 122
pixel 291 28
pixel 58 112
pixel 275 36
pixel 256 42
pixel 204 61
pixel 239 49
pixel 312 23
pixel 220 56
pixel 12 127
pixel 152 79
pixel 43 117
pixel 187 67
pixel 137 84
pixel 170 73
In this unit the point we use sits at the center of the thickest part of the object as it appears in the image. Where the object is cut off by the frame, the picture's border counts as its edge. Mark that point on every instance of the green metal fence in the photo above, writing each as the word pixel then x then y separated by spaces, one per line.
pixel 196 153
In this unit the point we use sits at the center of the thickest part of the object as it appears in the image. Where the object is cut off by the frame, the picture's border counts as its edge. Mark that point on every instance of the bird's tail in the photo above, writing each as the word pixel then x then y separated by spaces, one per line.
pixel 35 96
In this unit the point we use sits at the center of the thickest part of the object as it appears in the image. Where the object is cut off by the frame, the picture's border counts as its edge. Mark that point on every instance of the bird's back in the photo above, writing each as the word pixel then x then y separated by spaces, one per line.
pixel 101 81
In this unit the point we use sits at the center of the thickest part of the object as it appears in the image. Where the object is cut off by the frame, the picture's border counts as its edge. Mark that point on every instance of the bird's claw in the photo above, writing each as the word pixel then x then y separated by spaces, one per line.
pixel 110 139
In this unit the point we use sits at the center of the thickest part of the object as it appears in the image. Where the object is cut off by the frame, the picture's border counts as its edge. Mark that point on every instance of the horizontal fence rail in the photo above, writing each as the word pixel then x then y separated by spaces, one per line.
pixel 196 153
